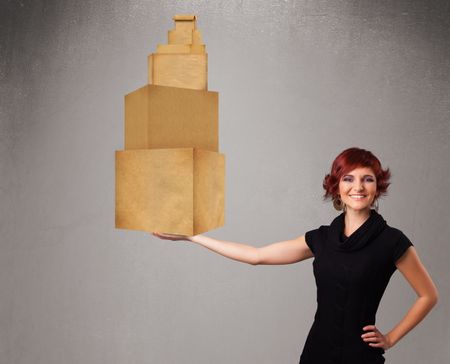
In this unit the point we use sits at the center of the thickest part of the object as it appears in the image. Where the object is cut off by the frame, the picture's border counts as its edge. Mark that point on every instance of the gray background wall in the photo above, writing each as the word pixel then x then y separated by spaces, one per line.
pixel 299 81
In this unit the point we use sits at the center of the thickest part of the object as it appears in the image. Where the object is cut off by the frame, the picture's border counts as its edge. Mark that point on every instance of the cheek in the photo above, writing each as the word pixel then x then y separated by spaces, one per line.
pixel 373 190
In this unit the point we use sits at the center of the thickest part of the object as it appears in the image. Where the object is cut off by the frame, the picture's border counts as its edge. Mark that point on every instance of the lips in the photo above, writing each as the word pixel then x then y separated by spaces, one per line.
pixel 358 197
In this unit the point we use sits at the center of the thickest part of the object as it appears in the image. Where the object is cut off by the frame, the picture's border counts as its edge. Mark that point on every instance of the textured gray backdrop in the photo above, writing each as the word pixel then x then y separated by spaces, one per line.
pixel 299 81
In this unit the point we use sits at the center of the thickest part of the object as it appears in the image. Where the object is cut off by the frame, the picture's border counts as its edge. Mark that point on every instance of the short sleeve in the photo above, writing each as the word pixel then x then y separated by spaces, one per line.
pixel 314 237
pixel 309 238
pixel 401 245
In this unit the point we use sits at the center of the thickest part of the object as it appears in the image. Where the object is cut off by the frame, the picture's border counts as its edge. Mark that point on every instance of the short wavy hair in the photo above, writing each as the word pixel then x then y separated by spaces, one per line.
pixel 347 161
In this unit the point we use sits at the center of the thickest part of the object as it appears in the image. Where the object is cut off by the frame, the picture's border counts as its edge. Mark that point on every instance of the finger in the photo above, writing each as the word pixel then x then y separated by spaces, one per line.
pixel 369 334
pixel 378 345
pixel 164 235
pixel 171 234
pixel 372 339
pixel 369 327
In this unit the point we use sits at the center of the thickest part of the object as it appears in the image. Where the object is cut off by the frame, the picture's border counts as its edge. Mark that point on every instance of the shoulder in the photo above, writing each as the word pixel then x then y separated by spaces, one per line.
pixel 319 232
pixel 314 238
pixel 397 241
pixel 393 234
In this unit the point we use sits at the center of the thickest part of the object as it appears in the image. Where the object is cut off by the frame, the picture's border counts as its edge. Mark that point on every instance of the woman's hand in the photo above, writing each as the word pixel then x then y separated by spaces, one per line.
pixel 237 251
pixel 375 338
pixel 174 237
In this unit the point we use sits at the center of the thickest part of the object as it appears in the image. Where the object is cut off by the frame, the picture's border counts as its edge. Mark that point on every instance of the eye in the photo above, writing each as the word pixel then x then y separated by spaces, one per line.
pixel 370 179
pixel 347 179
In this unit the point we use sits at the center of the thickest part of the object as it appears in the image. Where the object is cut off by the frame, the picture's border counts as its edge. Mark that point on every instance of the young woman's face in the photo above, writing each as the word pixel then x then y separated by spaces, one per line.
pixel 358 188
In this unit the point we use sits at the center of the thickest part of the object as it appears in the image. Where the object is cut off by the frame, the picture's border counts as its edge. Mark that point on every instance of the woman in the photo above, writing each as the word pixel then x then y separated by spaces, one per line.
pixel 354 258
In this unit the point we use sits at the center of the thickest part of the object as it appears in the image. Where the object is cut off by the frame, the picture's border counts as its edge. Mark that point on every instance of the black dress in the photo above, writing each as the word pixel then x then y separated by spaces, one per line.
pixel 351 275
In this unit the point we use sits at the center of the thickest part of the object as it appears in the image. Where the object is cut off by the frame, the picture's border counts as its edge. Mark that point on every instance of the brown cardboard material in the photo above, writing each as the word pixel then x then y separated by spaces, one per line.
pixel 171 177
pixel 209 190
pixel 177 190
pixel 179 70
pixel 169 117
pixel 180 49
pixel 185 26
pixel 182 62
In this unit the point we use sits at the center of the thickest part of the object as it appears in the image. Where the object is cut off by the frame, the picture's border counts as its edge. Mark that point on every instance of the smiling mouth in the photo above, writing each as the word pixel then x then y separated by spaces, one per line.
pixel 358 197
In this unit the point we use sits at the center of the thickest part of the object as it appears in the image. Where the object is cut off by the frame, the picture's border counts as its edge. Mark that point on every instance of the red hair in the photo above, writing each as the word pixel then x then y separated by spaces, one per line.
pixel 347 161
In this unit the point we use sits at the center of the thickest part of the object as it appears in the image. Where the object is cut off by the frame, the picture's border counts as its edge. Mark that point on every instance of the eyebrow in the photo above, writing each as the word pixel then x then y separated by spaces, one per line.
pixel 351 175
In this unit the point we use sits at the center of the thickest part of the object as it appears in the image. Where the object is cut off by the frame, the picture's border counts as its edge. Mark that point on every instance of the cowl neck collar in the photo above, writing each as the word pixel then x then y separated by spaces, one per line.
pixel 361 237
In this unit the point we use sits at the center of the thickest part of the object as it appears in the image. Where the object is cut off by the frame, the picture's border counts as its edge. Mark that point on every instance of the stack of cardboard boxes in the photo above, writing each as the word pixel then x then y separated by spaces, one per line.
pixel 171 177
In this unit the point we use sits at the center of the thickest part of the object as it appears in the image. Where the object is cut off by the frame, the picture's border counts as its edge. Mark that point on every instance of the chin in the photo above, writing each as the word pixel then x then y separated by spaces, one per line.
pixel 361 208
pixel 358 207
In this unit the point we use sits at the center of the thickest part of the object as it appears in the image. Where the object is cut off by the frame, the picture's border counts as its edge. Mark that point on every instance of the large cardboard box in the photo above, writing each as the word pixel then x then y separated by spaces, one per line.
pixel 176 190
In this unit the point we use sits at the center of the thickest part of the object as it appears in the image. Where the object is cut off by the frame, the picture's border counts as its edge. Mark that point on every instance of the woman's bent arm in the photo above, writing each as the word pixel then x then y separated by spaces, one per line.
pixel 416 274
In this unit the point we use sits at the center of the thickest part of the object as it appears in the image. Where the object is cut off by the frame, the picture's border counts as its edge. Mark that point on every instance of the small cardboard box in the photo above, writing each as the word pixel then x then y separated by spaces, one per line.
pixel 179 70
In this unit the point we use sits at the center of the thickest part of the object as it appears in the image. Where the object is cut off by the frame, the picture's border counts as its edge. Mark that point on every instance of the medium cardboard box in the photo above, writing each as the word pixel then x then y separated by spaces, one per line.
pixel 169 117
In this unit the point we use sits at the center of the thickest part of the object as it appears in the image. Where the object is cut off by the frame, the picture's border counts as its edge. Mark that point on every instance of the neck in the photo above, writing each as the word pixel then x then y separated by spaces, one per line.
pixel 354 219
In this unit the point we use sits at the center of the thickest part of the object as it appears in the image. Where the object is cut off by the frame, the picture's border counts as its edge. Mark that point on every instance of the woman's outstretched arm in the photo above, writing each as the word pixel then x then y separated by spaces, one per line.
pixel 283 252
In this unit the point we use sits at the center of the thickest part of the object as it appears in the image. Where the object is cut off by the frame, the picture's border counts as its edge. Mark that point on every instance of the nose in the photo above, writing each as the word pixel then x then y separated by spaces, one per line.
pixel 359 186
